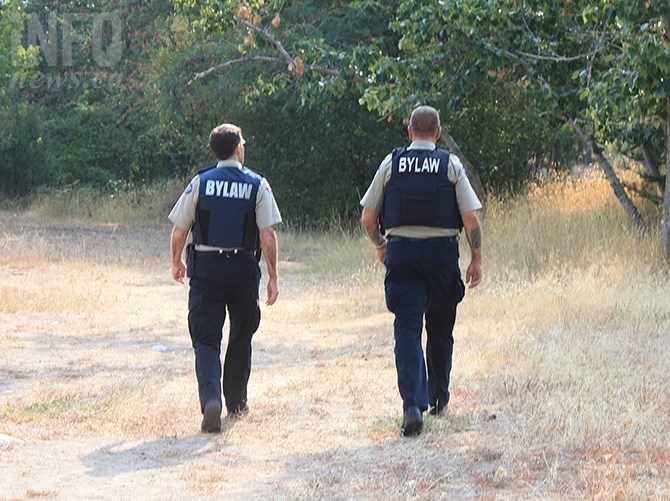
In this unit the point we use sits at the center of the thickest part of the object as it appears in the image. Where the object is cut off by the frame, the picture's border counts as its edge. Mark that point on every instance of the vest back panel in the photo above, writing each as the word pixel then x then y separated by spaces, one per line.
pixel 419 192
pixel 226 210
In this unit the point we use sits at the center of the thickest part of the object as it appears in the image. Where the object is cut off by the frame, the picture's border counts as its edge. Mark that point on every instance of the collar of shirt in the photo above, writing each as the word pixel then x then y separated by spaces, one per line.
pixel 229 163
pixel 421 144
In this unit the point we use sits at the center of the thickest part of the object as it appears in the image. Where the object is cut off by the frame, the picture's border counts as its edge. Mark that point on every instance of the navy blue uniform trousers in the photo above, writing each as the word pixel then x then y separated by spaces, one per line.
pixel 221 283
pixel 423 280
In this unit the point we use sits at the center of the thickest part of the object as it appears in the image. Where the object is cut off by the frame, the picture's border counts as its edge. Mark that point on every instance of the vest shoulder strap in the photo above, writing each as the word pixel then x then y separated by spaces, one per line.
pixel 207 169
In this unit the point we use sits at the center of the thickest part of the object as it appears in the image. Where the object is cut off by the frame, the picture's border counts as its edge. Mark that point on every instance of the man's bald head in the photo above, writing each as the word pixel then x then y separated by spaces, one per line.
pixel 425 122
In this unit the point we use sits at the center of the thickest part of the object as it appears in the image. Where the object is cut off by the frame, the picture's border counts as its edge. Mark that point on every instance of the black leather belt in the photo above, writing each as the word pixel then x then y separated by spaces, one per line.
pixel 221 252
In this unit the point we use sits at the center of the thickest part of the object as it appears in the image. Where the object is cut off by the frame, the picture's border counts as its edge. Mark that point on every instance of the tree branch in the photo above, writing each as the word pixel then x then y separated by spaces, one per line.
pixel 525 64
pixel 665 218
pixel 600 47
pixel 203 74
pixel 471 172
pixel 264 34
pixel 613 179
pixel 652 168
pixel 290 60
pixel 284 57
pixel 561 59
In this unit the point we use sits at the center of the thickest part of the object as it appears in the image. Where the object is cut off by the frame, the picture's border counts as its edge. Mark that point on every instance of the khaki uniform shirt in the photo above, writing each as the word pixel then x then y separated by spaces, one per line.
pixel 183 212
pixel 465 195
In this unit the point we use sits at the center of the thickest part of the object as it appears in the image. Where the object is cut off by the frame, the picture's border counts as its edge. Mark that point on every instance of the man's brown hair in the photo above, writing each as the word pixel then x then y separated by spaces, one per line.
pixel 425 121
pixel 224 139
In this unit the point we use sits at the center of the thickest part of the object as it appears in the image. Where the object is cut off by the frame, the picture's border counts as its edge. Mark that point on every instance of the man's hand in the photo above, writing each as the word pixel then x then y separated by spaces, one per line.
pixel 177 242
pixel 381 253
pixel 474 274
pixel 270 246
pixel 179 272
pixel 473 232
pixel 273 292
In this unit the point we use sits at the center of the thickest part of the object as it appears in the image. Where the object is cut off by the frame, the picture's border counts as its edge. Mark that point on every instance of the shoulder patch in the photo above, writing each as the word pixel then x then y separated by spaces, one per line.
pixel 189 188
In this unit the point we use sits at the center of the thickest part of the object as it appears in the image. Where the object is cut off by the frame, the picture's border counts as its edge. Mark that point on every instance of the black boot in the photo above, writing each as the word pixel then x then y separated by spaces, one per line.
pixel 412 422
pixel 211 417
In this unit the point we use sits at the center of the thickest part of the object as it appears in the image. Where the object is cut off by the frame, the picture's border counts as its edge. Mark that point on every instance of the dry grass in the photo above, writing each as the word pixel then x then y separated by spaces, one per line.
pixel 128 204
pixel 559 384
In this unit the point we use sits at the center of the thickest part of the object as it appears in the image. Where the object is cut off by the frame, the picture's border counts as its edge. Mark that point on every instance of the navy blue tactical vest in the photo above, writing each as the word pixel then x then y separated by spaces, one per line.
pixel 226 213
pixel 419 192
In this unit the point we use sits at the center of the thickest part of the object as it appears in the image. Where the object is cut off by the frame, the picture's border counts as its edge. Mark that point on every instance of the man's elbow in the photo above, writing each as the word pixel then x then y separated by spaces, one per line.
pixel 267 235
pixel 471 219
pixel 369 218
pixel 178 232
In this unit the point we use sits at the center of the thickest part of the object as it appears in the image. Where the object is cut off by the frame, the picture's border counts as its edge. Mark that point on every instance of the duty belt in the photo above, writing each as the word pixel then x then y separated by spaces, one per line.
pixel 222 252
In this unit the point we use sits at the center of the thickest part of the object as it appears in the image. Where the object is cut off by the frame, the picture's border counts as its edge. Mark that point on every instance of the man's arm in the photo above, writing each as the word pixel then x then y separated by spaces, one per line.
pixel 370 222
pixel 473 232
pixel 177 243
pixel 270 246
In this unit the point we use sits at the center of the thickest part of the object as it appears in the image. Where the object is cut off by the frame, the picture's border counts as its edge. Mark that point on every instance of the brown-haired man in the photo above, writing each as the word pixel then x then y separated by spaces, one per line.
pixel 230 212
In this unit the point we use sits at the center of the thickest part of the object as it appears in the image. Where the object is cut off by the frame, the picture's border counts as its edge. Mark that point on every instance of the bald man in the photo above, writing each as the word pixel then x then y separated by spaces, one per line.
pixel 413 212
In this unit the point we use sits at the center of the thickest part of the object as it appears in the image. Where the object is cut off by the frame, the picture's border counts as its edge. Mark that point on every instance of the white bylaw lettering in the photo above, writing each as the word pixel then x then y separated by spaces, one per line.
pixel 245 190
pixel 431 165
pixel 227 189
pixel 407 164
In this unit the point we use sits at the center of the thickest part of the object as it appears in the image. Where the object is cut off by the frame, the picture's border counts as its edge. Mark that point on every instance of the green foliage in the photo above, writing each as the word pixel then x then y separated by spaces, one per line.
pixel 395 55
pixel 16 63
pixel 75 120
pixel 309 80
pixel 318 160
pixel 627 95
pixel 21 148
pixel 502 135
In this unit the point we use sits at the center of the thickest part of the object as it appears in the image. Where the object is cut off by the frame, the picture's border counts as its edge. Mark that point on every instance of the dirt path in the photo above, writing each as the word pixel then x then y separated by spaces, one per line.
pixel 98 395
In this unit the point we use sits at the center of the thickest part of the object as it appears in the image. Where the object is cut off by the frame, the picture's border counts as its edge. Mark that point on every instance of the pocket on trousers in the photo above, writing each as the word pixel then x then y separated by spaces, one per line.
pixel 458 288
pixel 256 322
pixel 453 286
pixel 195 299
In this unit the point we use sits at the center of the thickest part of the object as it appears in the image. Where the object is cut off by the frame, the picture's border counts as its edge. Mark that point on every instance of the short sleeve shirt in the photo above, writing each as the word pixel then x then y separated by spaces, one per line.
pixel 465 194
pixel 183 212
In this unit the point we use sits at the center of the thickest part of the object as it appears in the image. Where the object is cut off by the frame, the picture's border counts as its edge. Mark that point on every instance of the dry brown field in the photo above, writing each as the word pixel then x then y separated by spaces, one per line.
pixel 560 382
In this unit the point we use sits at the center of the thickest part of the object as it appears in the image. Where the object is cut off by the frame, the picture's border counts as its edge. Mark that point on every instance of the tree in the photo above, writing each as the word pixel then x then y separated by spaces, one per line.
pixel 602 65
pixel 611 58
pixel 323 56
pixel 20 146
pixel 73 77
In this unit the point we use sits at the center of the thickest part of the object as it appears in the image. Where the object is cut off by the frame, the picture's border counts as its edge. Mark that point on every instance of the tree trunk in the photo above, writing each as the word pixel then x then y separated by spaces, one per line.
pixel 652 168
pixel 614 181
pixel 665 218
pixel 473 176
